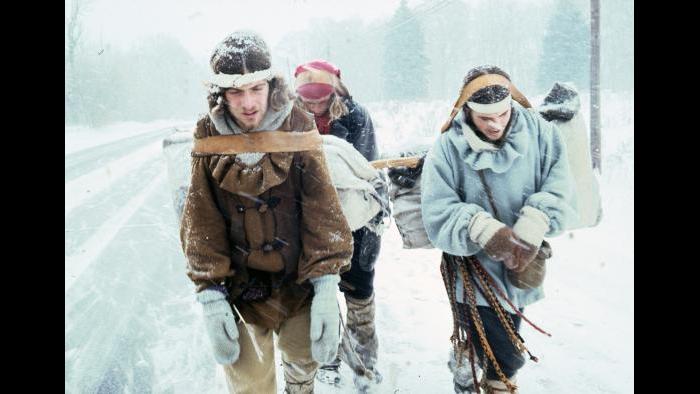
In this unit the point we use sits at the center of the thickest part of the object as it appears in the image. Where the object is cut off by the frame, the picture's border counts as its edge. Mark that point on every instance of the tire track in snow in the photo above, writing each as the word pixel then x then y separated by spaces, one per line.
pixel 80 189
pixel 92 158
pixel 114 313
pixel 91 249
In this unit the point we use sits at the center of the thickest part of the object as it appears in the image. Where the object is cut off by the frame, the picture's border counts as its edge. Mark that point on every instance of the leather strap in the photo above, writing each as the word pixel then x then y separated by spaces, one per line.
pixel 479 83
pixel 259 141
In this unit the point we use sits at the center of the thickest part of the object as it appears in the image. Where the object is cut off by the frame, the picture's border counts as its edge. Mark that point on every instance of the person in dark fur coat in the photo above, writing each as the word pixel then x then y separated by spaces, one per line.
pixel 321 91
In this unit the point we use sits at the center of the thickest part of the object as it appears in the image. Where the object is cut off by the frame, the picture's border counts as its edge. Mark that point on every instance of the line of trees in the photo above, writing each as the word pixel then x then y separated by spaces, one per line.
pixel 154 78
pixel 419 52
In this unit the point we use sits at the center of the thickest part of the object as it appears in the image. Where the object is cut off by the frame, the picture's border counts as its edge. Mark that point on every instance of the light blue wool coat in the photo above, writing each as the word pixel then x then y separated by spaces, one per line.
pixel 531 168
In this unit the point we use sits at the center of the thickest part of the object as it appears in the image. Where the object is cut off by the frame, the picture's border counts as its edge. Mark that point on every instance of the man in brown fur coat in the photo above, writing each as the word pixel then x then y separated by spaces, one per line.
pixel 262 228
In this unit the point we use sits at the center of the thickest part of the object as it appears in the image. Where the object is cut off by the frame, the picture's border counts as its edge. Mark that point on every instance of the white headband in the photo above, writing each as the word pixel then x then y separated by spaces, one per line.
pixel 238 80
pixel 493 108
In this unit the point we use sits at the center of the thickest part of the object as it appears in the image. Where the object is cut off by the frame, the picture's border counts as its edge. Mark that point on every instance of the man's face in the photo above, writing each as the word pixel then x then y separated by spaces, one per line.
pixel 491 125
pixel 317 107
pixel 248 104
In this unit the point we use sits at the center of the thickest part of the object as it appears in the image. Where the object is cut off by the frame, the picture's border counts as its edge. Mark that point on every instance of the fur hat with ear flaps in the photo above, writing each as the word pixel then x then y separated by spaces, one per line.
pixel 241 57
pixel 486 89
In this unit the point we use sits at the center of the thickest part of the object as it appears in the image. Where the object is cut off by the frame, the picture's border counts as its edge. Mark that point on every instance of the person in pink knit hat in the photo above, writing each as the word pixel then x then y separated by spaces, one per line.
pixel 321 91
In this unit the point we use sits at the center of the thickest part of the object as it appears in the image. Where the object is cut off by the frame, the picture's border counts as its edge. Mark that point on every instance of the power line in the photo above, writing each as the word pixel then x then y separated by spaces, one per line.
pixel 422 10
pixel 415 16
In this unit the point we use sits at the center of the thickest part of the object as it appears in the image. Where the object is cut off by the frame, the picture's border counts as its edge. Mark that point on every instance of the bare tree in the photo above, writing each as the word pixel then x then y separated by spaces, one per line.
pixel 74 29
pixel 595 86
pixel 74 34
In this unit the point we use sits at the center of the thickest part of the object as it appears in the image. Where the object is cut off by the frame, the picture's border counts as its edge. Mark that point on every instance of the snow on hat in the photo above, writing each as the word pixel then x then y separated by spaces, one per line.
pixel 318 64
pixel 315 80
pixel 241 58
pixel 489 94
pixel 487 90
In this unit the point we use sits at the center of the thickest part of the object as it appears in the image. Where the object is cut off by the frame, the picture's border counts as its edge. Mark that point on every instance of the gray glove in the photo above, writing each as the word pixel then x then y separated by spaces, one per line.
pixel 325 319
pixel 221 325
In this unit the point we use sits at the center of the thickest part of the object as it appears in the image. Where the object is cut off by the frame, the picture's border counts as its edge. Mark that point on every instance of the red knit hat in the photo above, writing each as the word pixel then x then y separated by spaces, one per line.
pixel 318 64
pixel 315 79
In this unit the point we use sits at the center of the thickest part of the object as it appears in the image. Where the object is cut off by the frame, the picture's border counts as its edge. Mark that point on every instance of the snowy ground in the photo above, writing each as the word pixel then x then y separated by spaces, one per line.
pixel 132 324
pixel 81 137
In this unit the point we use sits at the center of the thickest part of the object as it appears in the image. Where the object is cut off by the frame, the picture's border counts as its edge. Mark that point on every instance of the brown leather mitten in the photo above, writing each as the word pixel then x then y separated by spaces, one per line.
pixel 530 274
pixel 502 246
pixel 523 254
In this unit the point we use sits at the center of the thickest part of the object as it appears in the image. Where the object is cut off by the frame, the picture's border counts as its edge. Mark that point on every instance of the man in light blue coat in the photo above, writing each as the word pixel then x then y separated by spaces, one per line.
pixel 495 183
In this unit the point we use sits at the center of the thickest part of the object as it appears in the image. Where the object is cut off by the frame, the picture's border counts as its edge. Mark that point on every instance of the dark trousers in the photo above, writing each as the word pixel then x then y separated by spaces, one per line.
pixel 509 358
pixel 358 282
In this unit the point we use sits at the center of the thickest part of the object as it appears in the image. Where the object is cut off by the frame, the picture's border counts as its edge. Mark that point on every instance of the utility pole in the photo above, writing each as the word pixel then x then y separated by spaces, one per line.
pixel 595 86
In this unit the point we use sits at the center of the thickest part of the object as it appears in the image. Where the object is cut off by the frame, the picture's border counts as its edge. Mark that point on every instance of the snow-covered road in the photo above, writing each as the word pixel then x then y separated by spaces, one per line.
pixel 132 324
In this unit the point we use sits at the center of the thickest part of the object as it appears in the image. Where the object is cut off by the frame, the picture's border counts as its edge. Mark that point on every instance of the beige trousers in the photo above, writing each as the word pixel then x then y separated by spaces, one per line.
pixel 250 374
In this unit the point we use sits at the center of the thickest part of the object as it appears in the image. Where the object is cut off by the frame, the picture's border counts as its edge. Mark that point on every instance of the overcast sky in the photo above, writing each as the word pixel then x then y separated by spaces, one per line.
pixel 201 24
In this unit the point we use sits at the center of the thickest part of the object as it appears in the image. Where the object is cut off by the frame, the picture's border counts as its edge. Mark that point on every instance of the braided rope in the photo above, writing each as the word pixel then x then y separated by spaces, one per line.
pixel 448 279
pixel 462 340
pixel 479 325
pixel 472 358
pixel 503 316
pixel 503 295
